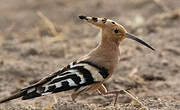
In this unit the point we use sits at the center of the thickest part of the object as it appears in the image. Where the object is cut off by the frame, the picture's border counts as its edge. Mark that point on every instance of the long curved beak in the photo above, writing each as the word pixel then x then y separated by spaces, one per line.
pixel 133 37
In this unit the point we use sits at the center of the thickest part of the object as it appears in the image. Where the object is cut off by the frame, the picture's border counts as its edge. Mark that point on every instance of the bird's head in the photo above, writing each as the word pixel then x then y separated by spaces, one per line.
pixel 113 30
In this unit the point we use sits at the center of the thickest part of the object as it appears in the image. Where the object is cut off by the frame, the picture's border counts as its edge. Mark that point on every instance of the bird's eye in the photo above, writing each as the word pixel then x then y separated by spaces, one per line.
pixel 116 31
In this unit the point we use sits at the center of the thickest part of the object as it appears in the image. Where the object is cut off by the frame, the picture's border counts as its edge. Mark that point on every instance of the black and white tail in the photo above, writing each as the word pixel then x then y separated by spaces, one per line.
pixel 14 96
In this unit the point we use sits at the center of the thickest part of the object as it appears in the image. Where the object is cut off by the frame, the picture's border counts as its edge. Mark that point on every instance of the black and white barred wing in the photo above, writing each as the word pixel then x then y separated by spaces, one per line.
pixel 74 76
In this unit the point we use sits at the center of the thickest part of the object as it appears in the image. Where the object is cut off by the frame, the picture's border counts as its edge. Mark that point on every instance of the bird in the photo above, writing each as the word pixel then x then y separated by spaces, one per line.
pixel 88 73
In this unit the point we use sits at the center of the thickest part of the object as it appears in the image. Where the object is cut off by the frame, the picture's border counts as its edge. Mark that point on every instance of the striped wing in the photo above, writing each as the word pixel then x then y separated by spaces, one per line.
pixel 74 76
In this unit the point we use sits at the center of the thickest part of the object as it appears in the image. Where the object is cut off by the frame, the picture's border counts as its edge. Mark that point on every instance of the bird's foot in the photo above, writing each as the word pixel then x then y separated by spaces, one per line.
pixel 116 93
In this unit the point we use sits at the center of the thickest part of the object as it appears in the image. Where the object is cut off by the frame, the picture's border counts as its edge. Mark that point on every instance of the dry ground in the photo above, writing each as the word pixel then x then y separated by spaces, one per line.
pixel 31 47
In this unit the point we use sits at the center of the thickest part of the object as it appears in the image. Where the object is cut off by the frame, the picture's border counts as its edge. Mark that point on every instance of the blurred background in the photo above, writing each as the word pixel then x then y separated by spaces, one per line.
pixel 38 37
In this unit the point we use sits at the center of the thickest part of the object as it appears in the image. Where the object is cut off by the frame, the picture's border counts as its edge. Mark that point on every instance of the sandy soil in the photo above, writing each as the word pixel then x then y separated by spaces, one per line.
pixel 31 47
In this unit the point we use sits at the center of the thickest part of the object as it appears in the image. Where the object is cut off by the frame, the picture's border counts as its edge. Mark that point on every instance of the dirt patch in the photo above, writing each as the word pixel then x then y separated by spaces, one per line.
pixel 32 47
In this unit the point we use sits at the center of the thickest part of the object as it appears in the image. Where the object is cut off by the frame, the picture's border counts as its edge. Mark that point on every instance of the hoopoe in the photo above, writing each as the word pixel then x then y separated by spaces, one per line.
pixel 88 73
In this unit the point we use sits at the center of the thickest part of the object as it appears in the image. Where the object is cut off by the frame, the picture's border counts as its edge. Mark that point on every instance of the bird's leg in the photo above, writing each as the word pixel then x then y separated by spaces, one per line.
pixel 74 96
pixel 103 90
pixel 49 107
pixel 77 92
pixel 116 93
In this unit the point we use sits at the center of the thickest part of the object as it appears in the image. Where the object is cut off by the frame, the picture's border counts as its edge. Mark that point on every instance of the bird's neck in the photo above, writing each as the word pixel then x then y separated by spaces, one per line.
pixel 106 54
pixel 109 44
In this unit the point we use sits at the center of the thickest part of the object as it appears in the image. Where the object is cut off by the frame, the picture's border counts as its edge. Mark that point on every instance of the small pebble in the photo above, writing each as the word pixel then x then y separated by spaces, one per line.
pixel 165 62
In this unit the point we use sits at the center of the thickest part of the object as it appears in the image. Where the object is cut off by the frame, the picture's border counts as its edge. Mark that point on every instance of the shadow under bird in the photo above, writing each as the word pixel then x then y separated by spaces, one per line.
pixel 88 73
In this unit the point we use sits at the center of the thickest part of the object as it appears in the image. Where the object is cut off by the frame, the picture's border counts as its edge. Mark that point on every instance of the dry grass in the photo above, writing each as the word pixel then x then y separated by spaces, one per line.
pixel 48 33
pixel 48 23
